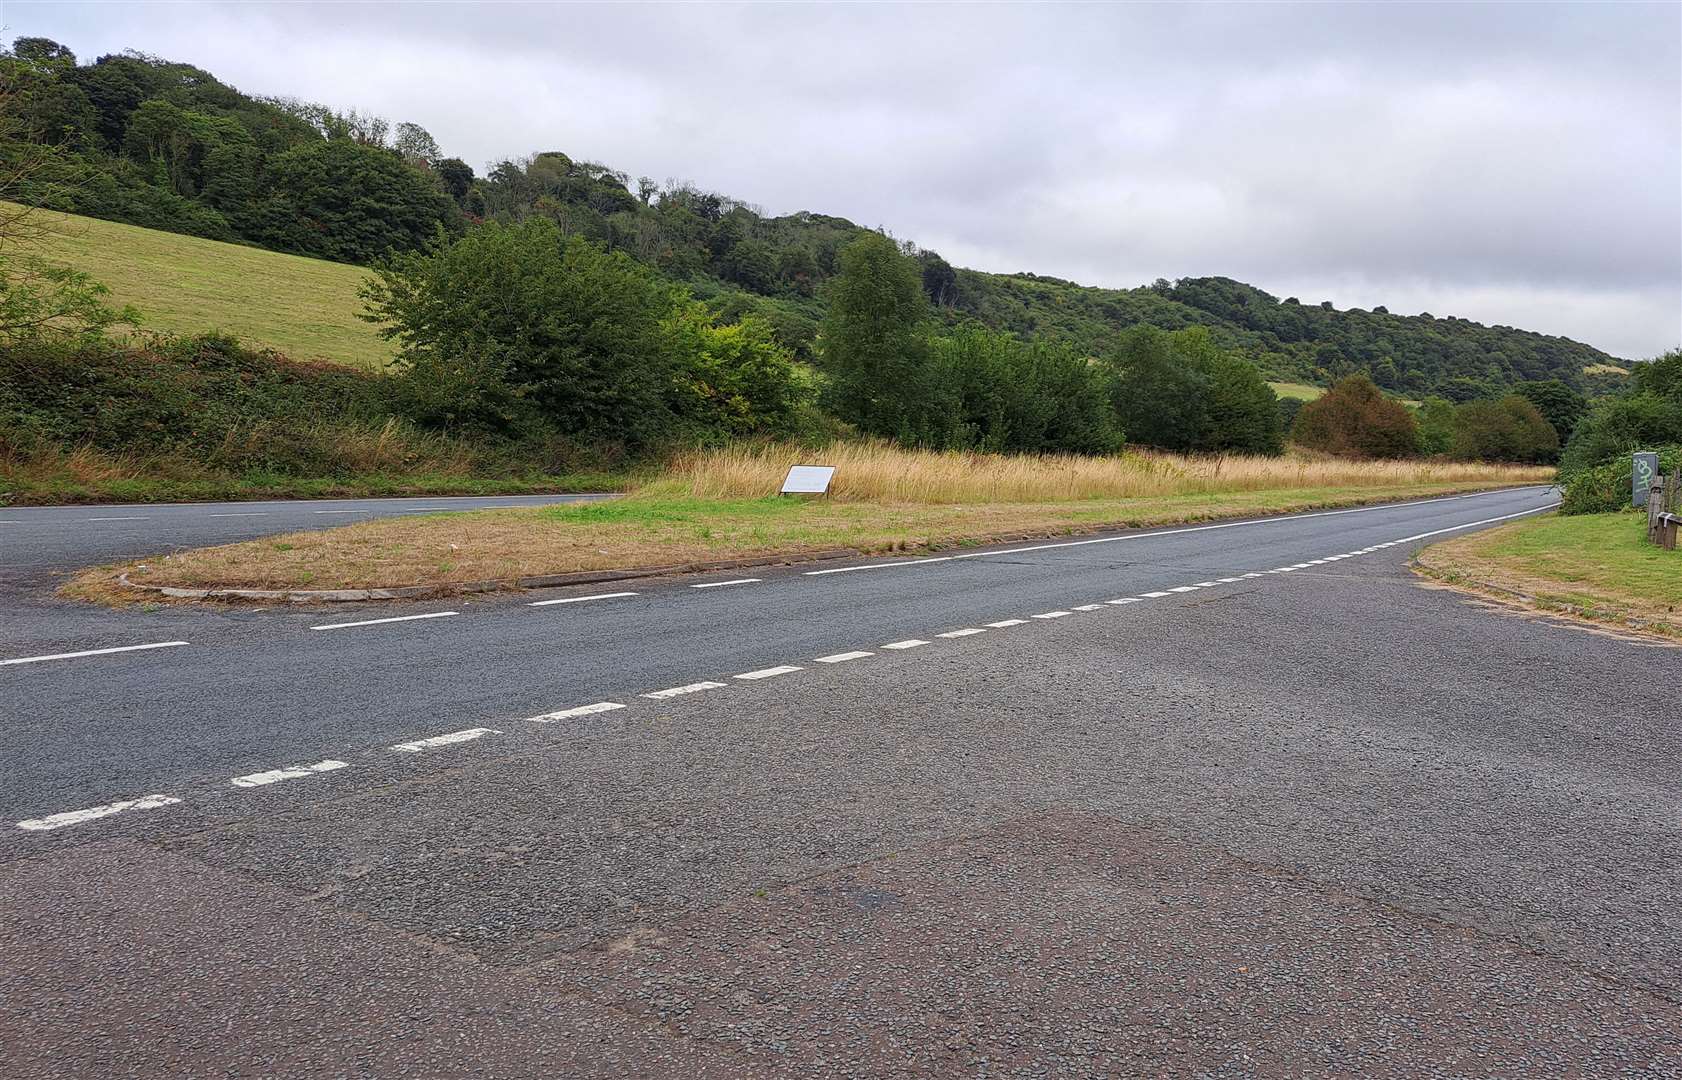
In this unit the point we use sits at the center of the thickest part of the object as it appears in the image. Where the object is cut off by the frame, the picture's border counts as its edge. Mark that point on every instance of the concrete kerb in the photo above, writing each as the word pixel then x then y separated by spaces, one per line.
pixel 457 588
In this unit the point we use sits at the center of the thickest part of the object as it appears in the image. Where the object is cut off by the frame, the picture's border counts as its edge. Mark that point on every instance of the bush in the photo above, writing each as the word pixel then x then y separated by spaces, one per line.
pixel 734 380
pixel 1603 488
pixel 1511 430
pixel 1010 396
pixel 1179 391
pixel 1354 419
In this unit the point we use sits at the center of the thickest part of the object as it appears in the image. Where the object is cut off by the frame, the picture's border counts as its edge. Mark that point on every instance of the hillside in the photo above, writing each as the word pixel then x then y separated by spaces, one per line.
pixel 305 308
pixel 167 145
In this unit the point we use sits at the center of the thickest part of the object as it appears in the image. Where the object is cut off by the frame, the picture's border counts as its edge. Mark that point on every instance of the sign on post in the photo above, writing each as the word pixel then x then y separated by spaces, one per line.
pixel 808 479
pixel 1645 472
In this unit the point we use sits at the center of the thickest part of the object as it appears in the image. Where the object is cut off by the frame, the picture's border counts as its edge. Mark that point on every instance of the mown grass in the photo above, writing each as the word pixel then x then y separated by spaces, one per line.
pixel 921 505
pixel 305 308
pixel 1600 565
pixel 1300 391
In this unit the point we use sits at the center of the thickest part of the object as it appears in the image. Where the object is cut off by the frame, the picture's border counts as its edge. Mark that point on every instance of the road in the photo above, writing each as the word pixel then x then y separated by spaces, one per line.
pixel 1242 799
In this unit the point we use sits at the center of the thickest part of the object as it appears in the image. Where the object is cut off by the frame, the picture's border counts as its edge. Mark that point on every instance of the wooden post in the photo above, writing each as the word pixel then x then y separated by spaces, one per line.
pixel 1655 507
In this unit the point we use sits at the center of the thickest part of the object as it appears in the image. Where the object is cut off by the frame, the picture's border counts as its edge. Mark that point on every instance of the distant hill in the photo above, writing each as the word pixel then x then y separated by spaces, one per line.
pixel 168 146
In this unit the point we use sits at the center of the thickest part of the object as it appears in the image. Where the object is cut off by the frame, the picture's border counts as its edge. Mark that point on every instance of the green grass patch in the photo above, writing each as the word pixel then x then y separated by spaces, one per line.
pixel 305 308
pixel 1300 391
pixel 1600 564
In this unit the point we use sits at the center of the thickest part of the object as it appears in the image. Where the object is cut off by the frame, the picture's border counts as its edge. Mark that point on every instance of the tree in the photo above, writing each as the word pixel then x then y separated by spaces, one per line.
pixel 1509 430
pixel 1436 427
pixel 515 321
pixel 872 343
pixel 1648 415
pixel 1180 391
pixel 1561 405
pixel 733 380
pixel 1354 419
pixel 415 145
pixel 352 203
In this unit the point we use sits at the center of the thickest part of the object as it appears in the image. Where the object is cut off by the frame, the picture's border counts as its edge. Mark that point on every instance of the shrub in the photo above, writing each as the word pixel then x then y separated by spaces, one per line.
pixel 1179 391
pixel 1010 396
pixel 1354 419
pixel 733 380
pixel 1511 430
pixel 1603 488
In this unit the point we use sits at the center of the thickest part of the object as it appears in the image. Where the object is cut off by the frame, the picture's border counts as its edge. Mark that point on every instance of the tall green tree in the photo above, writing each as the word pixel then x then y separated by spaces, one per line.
pixel 873 345
pixel 343 200
pixel 1561 405
pixel 1178 390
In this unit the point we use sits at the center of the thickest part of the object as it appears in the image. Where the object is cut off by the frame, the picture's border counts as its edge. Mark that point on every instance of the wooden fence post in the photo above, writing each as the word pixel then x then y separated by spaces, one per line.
pixel 1655 507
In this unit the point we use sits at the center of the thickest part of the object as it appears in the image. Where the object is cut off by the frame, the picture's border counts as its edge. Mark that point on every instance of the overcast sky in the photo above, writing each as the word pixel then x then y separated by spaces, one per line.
pixel 1514 163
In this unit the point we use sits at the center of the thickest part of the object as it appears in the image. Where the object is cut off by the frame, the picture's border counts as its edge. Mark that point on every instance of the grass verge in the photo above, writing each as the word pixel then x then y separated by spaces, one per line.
pixel 714 507
pixel 1598 566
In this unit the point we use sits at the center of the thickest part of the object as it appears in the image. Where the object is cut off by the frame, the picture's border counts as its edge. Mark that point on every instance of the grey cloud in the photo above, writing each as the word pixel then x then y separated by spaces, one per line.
pixel 1519 164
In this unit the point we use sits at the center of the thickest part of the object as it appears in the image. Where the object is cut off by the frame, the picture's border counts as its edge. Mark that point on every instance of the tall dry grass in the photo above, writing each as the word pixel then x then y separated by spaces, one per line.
pixel 880 472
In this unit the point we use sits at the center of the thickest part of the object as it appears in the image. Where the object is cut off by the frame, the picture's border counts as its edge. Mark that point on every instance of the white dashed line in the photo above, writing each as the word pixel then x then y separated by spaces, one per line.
pixel 1183 588
pixel 446 740
pixel 580 599
pixel 147 518
pixel 91 652
pixel 1206 584
pixel 1124 600
pixel 1002 623
pixel 76 817
pixel 843 657
pixel 967 632
pixel 377 622
pixel 258 513
pixel 295 772
pixel 341 511
pixel 770 672
pixel 1089 607
pixel 1227 580
pixel 908 643
pixel 678 691
pixel 568 714
pixel 1051 615
pixel 722 584
pixel 1152 595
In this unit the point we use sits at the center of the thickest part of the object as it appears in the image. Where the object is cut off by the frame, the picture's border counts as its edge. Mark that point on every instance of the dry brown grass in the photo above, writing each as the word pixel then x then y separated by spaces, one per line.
pixel 878 472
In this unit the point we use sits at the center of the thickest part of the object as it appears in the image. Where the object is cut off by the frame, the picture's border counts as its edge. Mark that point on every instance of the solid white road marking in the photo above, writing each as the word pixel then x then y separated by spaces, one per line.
pixel 721 584
pixel 92 652
pixel 908 643
pixel 843 657
pixel 76 817
pixel 467 735
pixel 770 672
pixel 1002 623
pixel 376 622
pixel 582 710
pixel 968 632
pixel 580 599
pixel 1161 532
pixel 677 691
pixel 1050 615
pixel 294 772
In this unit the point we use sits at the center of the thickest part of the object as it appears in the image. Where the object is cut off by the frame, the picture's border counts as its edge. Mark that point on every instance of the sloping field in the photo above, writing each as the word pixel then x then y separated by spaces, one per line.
pixel 306 308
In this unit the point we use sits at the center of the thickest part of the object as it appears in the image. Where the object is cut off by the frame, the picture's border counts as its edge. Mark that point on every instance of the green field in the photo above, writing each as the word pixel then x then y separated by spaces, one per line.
pixel 1300 391
pixel 306 308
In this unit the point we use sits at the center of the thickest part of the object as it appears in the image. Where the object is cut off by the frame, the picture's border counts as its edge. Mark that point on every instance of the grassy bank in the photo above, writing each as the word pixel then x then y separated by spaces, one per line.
pixel 1598 565
pixel 305 308
pixel 715 506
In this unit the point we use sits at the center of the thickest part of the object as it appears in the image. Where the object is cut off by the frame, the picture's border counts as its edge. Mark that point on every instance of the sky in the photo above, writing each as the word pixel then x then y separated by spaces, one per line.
pixel 1517 164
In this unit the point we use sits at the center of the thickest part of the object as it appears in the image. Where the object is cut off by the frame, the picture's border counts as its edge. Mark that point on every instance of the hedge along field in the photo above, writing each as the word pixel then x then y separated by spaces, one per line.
pixel 304 308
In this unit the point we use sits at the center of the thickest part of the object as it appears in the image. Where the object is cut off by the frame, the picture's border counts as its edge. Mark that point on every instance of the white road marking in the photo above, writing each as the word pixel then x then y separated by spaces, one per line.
pixel 143 518
pixel 1183 588
pixel 568 714
pixel 467 735
pixel 1227 580
pixel 376 622
pixel 580 599
pixel 423 509
pixel 1002 623
pixel 1050 615
pixel 908 643
pixel 1206 584
pixel 258 513
pixel 1153 595
pixel 677 691
pixel 843 657
pixel 770 672
pixel 76 817
pixel 1158 532
pixel 722 584
pixel 294 772
pixel 1254 574
pixel 1124 600
pixel 92 652
pixel 1089 607
pixel 341 511
pixel 967 632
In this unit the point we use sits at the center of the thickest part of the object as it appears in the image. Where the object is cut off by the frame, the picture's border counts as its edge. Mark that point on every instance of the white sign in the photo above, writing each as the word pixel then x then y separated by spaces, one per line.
pixel 808 479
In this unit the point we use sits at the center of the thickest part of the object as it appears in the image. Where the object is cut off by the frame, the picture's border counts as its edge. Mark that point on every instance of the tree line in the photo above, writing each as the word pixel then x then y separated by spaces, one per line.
pixel 167 145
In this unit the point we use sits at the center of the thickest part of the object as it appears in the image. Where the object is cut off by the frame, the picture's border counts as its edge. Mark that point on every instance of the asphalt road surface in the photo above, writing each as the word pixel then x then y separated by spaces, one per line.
pixel 1245 799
